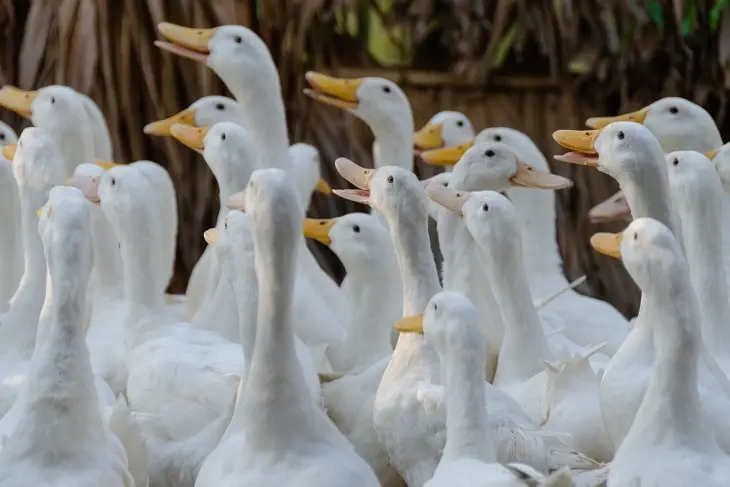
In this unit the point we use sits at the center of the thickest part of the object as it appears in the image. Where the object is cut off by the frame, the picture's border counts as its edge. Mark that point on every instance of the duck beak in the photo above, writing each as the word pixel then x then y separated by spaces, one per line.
pixel 529 177
pixel 87 185
pixel 339 92
pixel 428 138
pixel 162 127
pixel 106 165
pixel 323 187
pixel 191 136
pixel 358 177
pixel 9 151
pixel 410 324
pixel 186 42
pixel 607 244
pixel 39 212
pixel 448 198
pixel 319 229
pixel 599 122
pixel 18 100
pixel 712 154
pixel 237 201
pixel 447 156
pixel 580 143
pixel 614 208
pixel 211 236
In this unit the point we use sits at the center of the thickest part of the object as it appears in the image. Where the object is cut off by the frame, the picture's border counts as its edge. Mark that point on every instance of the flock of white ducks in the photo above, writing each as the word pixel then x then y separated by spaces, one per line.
pixel 267 372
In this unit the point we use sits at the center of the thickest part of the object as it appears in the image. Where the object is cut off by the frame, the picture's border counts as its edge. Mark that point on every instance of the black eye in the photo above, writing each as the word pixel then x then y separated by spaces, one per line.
pixel 225 225
pixel 2 136
pixel 390 179
pixel 620 135
pixel 53 100
pixel 673 109
pixel 238 39
pixel 113 182
pixel 220 106
pixel 485 207
pixel 435 307
pixel 356 228
pixel 446 185
pixel 460 123
pixel 223 136
pixel 636 235
pixel 489 153
pixel 498 138
pixel 386 89
pixel 675 162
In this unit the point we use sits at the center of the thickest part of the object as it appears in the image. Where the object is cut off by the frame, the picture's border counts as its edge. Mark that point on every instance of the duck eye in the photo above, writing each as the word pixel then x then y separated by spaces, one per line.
pixel 223 136
pixel 435 307
pixel 620 135
pixel 238 39
pixel 498 138
pixel 2 136
pixel 636 235
pixel 675 162
pixel 460 123
pixel 446 184
pixel 225 225
pixel 53 100
pixel 485 207
pixel 220 106
pixel 386 89
pixel 673 109
pixel 390 179
pixel 113 182
pixel 356 228
pixel 489 153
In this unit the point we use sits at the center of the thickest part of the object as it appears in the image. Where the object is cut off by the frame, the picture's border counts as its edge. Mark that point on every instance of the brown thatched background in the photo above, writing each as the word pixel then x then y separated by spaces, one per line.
pixel 534 66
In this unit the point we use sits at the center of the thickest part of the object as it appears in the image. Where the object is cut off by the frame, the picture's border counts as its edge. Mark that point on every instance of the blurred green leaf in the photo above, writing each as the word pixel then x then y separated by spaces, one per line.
pixel 656 11
pixel 505 45
pixel 715 13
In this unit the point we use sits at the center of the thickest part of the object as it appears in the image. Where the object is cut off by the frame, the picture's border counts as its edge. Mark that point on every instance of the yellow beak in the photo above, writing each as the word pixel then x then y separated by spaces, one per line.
pixel 339 92
pixel 193 137
pixel 17 100
pixel 580 143
pixel 323 187
pixel 429 137
pixel 599 122
pixel 447 156
pixel 237 201
pixel 211 236
pixel 185 42
pixel 9 151
pixel 319 229
pixel 529 177
pixel 39 212
pixel 162 127
pixel 410 324
pixel 712 154
pixel 607 244
pixel 106 165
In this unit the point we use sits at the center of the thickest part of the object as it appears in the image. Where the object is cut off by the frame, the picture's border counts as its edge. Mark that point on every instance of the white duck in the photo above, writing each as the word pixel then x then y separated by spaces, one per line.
pixel 37 167
pixel 587 320
pixel 374 292
pixel 630 154
pixel 450 324
pixel 408 418
pixel 278 434
pixel 11 242
pixel 445 129
pixel 670 443
pixel 60 437
pixel 242 60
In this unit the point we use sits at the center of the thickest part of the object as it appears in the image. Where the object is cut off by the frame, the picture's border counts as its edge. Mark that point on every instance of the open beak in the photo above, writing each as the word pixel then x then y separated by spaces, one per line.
pixel 447 156
pixel 191 136
pixel 599 122
pixel 339 92
pixel 607 244
pixel 162 127
pixel 319 229
pixel 211 236
pixel 87 185
pixel 185 42
pixel 529 177
pixel 580 143
pixel 428 138
pixel 106 165
pixel 323 187
pixel 614 208
pixel 9 151
pixel 448 198
pixel 237 201
pixel 358 177
pixel 410 324
pixel 17 100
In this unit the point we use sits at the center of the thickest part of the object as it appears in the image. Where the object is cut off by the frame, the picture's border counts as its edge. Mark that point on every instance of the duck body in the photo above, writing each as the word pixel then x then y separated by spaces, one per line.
pixel 11 243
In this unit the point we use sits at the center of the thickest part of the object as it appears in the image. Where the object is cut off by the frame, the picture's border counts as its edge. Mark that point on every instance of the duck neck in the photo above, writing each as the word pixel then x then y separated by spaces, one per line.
pixel 107 273
pixel 524 344
pixel 672 404
pixel 11 239
pixel 649 198
pixel 245 287
pixel 393 144
pixel 540 252
pixel 71 138
pixel 467 424
pixel 703 242
pixel 140 291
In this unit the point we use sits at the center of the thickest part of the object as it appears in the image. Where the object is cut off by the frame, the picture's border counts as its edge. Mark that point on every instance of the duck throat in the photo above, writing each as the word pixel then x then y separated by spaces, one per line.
pixel 648 196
